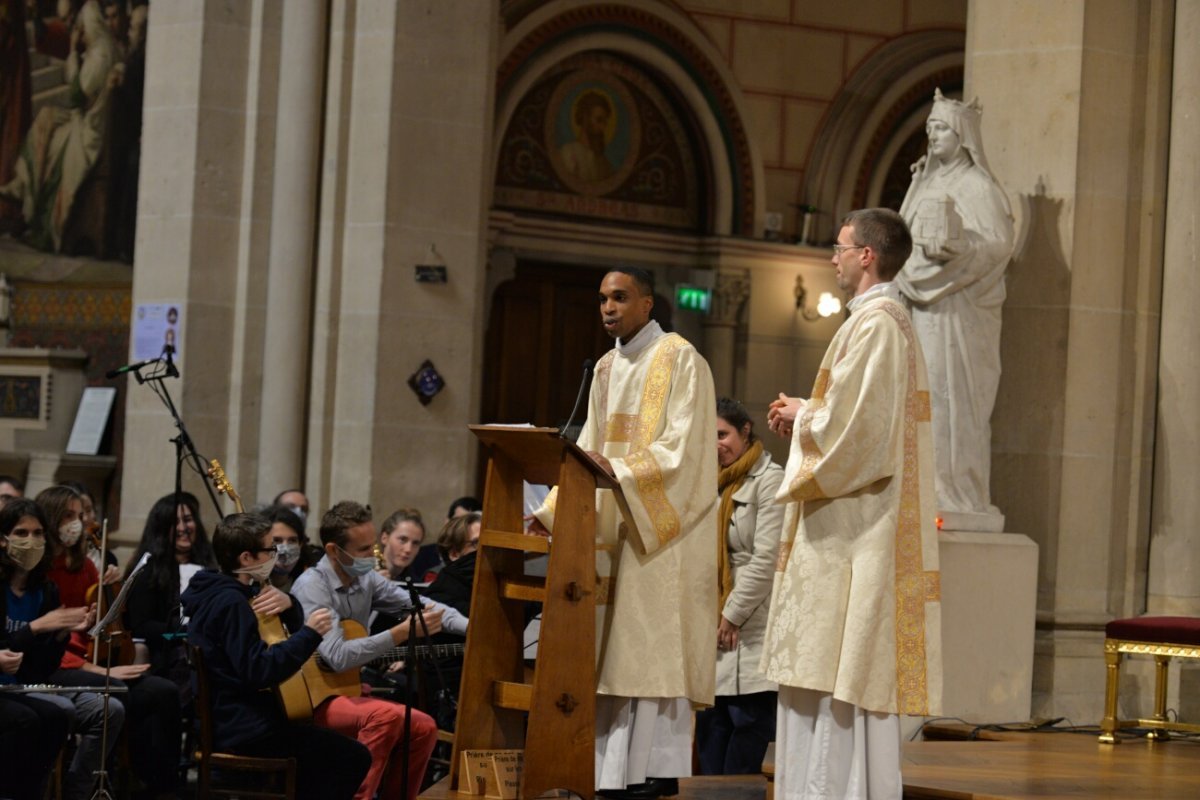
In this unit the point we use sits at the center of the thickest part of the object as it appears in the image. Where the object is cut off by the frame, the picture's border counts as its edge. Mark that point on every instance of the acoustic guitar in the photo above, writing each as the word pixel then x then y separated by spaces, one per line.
pixel 323 683
pixel 292 693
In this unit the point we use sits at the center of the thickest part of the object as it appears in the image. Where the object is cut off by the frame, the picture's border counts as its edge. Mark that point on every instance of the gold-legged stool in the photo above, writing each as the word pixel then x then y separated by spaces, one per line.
pixel 1162 637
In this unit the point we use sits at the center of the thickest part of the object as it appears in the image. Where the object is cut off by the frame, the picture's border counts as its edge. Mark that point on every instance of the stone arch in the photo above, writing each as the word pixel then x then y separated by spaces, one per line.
pixel 655 35
pixel 871 126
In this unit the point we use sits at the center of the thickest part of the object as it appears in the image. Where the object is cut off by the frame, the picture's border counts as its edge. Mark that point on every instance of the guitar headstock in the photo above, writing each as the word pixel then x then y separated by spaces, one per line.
pixel 221 484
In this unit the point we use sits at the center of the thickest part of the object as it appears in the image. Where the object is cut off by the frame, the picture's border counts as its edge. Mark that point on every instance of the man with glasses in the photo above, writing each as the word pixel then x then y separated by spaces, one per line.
pixel 239 665
pixel 345 582
pixel 853 637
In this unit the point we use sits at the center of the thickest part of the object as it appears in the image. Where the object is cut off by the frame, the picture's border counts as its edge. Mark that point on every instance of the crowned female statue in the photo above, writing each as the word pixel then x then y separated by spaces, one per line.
pixel 962 230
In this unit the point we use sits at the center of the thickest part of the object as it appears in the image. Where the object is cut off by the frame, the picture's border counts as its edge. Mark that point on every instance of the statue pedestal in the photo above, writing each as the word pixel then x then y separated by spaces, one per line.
pixel 989 605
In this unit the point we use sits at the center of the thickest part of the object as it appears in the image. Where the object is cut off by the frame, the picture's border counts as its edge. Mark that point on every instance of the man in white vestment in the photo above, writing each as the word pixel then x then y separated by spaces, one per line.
pixel 650 423
pixel 854 633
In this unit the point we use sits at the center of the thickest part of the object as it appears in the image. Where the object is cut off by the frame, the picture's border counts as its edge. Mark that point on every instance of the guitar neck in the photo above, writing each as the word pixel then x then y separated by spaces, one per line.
pixel 420 652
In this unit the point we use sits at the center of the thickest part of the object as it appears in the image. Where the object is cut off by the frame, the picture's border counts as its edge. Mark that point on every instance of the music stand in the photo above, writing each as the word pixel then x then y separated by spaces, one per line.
pixel 98 631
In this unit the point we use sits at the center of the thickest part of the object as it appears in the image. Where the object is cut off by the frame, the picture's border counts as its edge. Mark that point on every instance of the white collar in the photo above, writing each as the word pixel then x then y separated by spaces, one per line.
pixel 649 334
pixel 885 289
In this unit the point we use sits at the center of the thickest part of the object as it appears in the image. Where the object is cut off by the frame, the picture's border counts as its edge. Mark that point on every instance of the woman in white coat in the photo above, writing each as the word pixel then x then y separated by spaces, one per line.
pixel 733 735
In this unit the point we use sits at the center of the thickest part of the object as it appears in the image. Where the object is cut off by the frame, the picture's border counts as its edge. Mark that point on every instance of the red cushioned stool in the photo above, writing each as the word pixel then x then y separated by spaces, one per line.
pixel 1162 637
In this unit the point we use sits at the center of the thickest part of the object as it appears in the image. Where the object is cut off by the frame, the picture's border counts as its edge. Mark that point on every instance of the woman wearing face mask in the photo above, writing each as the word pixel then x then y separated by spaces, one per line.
pixel 178 545
pixel 294 554
pixel 34 623
pixel 152 703
pixel 105 562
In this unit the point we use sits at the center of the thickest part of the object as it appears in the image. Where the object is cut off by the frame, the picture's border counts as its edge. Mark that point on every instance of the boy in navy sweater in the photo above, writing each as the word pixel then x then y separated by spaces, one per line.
pixel 247 718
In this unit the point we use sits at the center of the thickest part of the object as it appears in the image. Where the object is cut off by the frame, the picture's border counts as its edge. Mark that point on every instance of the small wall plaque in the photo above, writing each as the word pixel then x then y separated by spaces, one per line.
pixel 426 382
pixel 430 273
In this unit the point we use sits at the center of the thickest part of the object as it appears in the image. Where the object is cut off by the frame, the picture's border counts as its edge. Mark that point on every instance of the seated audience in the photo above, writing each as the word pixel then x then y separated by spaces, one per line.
pixel 32 733
pixel 35 624
pixel 151 703
pixel 295 553
pixel 177 542
pixel 296 500
pixel 11 487
pixel 248 719
pixel 401 536
pixel 345 581
pixel 457 543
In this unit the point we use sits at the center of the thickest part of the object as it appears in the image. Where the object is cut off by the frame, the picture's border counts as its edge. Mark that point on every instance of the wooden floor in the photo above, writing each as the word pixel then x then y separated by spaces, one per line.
pixel 1049 766
pixel 1003 766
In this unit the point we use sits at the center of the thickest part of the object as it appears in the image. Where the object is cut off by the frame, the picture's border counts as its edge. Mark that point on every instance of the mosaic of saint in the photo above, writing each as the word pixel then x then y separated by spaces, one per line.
pixel 596 137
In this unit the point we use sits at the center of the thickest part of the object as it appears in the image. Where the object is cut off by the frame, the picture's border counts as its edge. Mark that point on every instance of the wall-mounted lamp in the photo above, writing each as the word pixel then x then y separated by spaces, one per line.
pixel 827 304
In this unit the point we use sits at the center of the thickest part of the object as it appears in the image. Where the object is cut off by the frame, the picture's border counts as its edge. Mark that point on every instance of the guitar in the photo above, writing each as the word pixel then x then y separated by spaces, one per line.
pixel 324 683
pixel 292 693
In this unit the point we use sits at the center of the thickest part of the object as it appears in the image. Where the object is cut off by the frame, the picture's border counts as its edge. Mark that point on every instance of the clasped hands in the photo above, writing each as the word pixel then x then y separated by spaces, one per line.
pixel 781 414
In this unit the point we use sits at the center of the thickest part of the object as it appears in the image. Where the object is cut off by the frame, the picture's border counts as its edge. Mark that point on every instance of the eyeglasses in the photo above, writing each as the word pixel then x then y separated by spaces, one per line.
pixel 838 249
pixel 272 549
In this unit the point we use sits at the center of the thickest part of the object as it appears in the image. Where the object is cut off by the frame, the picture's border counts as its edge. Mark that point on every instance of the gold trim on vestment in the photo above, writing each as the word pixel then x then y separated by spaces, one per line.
pixel 653 493
pixel 933 587
pixel 913 582
pixel 923 407
pixel 820 385
pixel 620 428
pixel 645 468
pixel 654 394
pixel 603 373
pixel 604 591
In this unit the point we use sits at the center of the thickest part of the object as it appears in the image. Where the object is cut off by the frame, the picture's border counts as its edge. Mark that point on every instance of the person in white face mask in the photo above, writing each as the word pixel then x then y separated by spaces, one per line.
pixel 294 551
pixel 345 581
pixel 35 622
pixel 152 703
pixel 222 606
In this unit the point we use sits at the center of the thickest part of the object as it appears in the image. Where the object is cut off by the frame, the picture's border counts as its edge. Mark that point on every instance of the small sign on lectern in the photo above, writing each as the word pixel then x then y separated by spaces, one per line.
pixel 493 774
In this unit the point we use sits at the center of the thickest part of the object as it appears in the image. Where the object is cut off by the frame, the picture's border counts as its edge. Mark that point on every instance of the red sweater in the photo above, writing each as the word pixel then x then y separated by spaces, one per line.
pixel 72 590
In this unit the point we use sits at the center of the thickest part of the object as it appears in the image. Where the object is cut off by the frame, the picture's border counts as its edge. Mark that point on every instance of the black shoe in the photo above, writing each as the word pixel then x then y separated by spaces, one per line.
pixel 650 790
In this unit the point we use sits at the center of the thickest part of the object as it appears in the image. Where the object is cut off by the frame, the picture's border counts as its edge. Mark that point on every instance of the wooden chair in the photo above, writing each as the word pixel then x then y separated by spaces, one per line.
pixel 207 760
pixel 1162 637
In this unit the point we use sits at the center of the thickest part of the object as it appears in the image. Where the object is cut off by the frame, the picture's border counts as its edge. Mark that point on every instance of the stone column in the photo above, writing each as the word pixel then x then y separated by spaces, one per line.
pixel 720 327
pixel 290 267
pixel 189 230
pixel 1175 552
pixel 1082 161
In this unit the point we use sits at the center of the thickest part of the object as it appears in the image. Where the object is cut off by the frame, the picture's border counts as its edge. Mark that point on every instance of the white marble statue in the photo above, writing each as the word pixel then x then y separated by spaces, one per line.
pixel 962 232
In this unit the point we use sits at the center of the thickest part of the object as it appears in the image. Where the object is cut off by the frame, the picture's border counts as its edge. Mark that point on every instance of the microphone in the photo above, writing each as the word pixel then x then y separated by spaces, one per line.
pixel 112 373
pixel 169 350
pixel 583 387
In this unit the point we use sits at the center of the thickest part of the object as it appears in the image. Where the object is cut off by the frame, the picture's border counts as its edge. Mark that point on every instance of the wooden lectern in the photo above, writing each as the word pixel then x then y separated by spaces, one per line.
pixel 558 737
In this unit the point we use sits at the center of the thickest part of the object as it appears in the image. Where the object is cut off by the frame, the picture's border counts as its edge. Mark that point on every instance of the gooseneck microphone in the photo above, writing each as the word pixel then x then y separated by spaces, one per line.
pixel 583 388
pixel 112 373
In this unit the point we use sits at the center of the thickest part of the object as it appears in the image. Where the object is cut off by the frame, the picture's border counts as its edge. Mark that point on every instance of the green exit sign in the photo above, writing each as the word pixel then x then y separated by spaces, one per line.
pixel 693 298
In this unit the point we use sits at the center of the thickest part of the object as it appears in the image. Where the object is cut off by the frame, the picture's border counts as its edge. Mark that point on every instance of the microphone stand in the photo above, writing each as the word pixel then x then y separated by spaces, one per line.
pixel 583 387
pixel 410 676
pixel 184 448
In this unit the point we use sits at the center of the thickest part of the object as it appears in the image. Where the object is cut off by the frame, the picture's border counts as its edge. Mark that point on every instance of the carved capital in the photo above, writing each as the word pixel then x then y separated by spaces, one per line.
pixel 730 293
